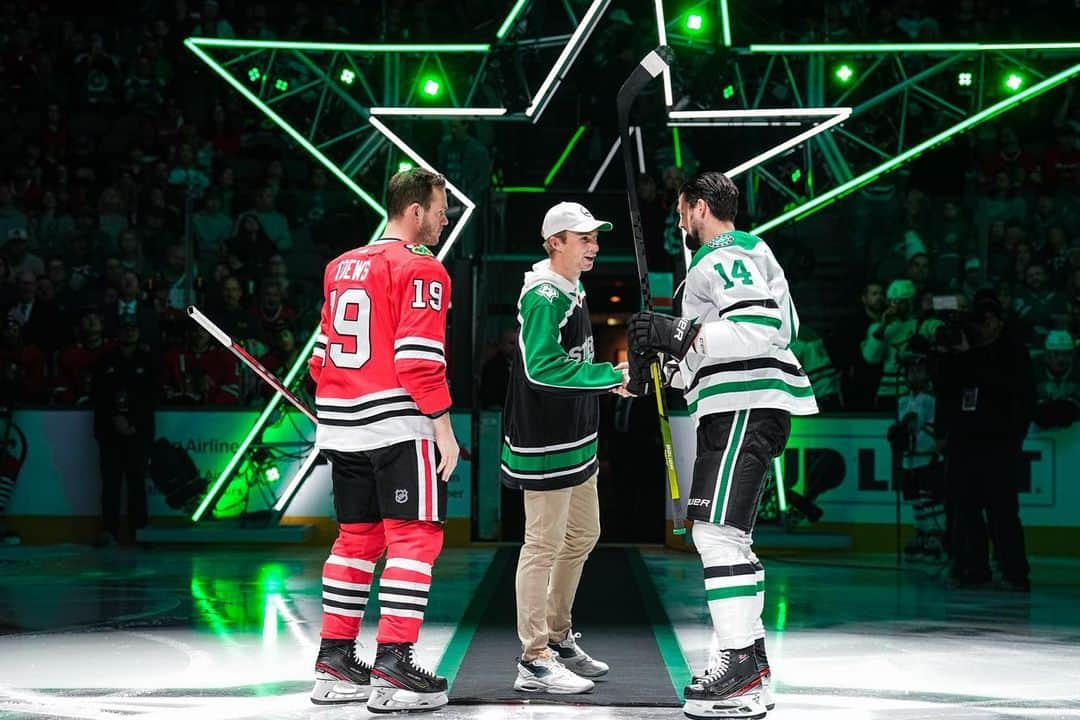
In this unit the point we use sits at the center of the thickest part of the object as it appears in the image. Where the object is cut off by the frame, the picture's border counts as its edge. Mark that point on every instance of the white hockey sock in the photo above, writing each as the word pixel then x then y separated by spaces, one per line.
pixel 731 584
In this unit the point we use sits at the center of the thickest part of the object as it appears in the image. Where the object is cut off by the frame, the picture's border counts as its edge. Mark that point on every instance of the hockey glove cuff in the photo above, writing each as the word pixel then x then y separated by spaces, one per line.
pixel 651 332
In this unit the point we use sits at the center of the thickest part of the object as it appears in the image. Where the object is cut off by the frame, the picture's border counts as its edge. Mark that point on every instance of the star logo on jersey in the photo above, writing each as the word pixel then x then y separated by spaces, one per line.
pixel 721 240
pixel 401 496
pixel 419 250
pixel 547 291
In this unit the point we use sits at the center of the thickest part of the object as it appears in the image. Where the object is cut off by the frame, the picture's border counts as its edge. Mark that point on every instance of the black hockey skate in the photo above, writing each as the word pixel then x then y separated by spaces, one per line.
pixel 762 661
pixel 340 677
pixel 400 685
pixel 731 689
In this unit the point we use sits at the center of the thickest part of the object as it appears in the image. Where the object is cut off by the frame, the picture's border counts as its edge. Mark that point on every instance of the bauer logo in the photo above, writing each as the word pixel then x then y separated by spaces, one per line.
pixel 697 501
pixel 547 291
pixel 401 496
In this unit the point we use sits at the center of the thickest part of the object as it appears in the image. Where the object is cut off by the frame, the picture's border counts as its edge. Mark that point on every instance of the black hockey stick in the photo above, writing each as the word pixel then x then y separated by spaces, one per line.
pixel 650 66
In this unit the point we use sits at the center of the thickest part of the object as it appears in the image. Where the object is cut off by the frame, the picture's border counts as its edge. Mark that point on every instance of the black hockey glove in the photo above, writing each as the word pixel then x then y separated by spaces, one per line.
pixel 641 382
pixel 652 332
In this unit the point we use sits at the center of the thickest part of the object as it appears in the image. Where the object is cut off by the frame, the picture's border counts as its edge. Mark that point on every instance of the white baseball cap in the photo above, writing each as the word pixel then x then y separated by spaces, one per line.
pixel 570 216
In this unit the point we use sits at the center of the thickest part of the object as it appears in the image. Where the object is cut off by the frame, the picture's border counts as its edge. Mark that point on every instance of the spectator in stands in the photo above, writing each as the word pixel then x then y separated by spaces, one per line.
pixel 1001 203
pixel 226 188
pixel 96 75
pixel 282 355
pixel 130 302
pixel 271 312
pixel 233 315
pixel 223 134
pixel 273 222
pixel 186 175
pixel 1055 254
pixel 7 285
pixel 249 249
pixel 76 362
pixel 18 254
pixel 174 276
pixel 130 253
pixel 1038 307
pixel 55 226
pixel 143 91
pixel 212 24
pixel 201 372
pixel 972 281
pixel 952 239
pixel 810 349
pixel 887 339
pixel 23 377
pixel 212 229
pixel 112 218
pixel 1057 386
pixel 918 270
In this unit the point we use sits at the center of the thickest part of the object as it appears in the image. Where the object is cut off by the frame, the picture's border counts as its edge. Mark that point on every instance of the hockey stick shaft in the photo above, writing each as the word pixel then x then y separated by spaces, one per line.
pixel 248 359
pixel 650 66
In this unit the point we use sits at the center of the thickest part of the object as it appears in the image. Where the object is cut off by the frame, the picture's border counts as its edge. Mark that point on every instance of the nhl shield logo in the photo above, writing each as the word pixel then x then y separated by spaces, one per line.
pixel 401 496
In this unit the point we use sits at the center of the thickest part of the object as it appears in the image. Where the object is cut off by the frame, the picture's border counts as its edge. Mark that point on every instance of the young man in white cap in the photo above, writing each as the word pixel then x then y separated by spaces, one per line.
pixel 550 428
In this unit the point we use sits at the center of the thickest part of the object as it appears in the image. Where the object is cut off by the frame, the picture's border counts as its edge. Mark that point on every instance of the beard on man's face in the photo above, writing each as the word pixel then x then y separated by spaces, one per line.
pixel 693 240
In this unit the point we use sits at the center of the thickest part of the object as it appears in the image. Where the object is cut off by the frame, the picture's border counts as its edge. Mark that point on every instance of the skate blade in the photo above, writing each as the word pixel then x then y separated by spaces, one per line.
pixel 331 691
pixel 745 706
pixel 391 700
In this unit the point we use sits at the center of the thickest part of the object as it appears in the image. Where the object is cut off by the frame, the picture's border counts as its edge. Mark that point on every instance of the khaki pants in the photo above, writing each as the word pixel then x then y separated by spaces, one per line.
pixel 561 528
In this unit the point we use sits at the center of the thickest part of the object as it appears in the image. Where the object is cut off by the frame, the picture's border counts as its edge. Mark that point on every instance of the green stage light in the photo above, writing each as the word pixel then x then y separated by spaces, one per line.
pixel 254 74
pixel 347 76
pixel 795 175
pixel 694 22
pixel 964 79
pixel 405 166
pixel 1014 82
pixel 430 87
pixel 844 73
pixel 729 92
pixel 273 475
pixel 281 85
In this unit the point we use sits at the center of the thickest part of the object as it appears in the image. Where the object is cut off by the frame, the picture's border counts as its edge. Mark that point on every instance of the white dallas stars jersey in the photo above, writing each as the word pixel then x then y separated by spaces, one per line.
pixel 738 292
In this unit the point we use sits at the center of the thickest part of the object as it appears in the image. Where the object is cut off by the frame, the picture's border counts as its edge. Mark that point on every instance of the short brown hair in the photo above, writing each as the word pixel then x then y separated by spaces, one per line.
pixel 411 186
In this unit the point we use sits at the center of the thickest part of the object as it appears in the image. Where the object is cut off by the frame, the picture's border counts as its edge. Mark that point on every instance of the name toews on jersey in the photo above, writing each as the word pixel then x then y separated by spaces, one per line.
pixel 379 362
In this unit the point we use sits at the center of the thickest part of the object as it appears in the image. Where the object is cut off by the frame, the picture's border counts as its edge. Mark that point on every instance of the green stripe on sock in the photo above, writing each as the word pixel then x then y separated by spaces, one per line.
pixel 724 593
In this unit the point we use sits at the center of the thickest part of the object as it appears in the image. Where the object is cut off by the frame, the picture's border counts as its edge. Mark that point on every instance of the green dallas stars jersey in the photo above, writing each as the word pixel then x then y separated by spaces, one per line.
pixel 552 408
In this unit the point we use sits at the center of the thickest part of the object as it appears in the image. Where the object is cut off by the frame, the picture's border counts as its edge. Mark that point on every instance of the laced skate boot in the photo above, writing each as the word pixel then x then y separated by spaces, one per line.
pixel 398 684
pixel 570 654
pixel 546 674
pixel 762 661
pixel 340 677
pixel 731 688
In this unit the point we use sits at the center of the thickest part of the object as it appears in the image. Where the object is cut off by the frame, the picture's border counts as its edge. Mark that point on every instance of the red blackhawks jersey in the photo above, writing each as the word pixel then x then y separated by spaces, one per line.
pixel 380 360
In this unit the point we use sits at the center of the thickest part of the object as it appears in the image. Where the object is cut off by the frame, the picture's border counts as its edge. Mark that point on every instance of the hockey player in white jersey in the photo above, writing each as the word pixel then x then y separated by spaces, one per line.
pixel 742 384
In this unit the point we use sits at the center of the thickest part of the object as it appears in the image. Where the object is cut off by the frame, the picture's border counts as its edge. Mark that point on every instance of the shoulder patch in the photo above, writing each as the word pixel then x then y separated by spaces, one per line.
pixel 547 291
pixel 417 249
pixel 721 240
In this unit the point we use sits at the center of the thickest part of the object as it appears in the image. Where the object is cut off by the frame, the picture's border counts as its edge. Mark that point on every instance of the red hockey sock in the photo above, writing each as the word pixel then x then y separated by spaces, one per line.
pixel 411 549
pixel 347 578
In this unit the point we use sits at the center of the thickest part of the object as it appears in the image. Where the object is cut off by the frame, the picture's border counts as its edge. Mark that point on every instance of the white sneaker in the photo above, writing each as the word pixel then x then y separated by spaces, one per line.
pixel 570 654
pixel 546 674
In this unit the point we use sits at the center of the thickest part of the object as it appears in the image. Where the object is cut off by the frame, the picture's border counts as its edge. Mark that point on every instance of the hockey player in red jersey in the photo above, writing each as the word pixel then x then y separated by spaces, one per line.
pixel 383 407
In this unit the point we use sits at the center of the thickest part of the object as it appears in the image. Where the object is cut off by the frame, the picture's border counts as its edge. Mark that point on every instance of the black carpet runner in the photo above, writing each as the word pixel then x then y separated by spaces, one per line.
pixel 612 613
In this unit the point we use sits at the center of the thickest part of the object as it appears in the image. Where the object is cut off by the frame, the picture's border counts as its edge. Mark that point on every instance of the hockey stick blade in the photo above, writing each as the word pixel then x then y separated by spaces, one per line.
pixel 650 67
